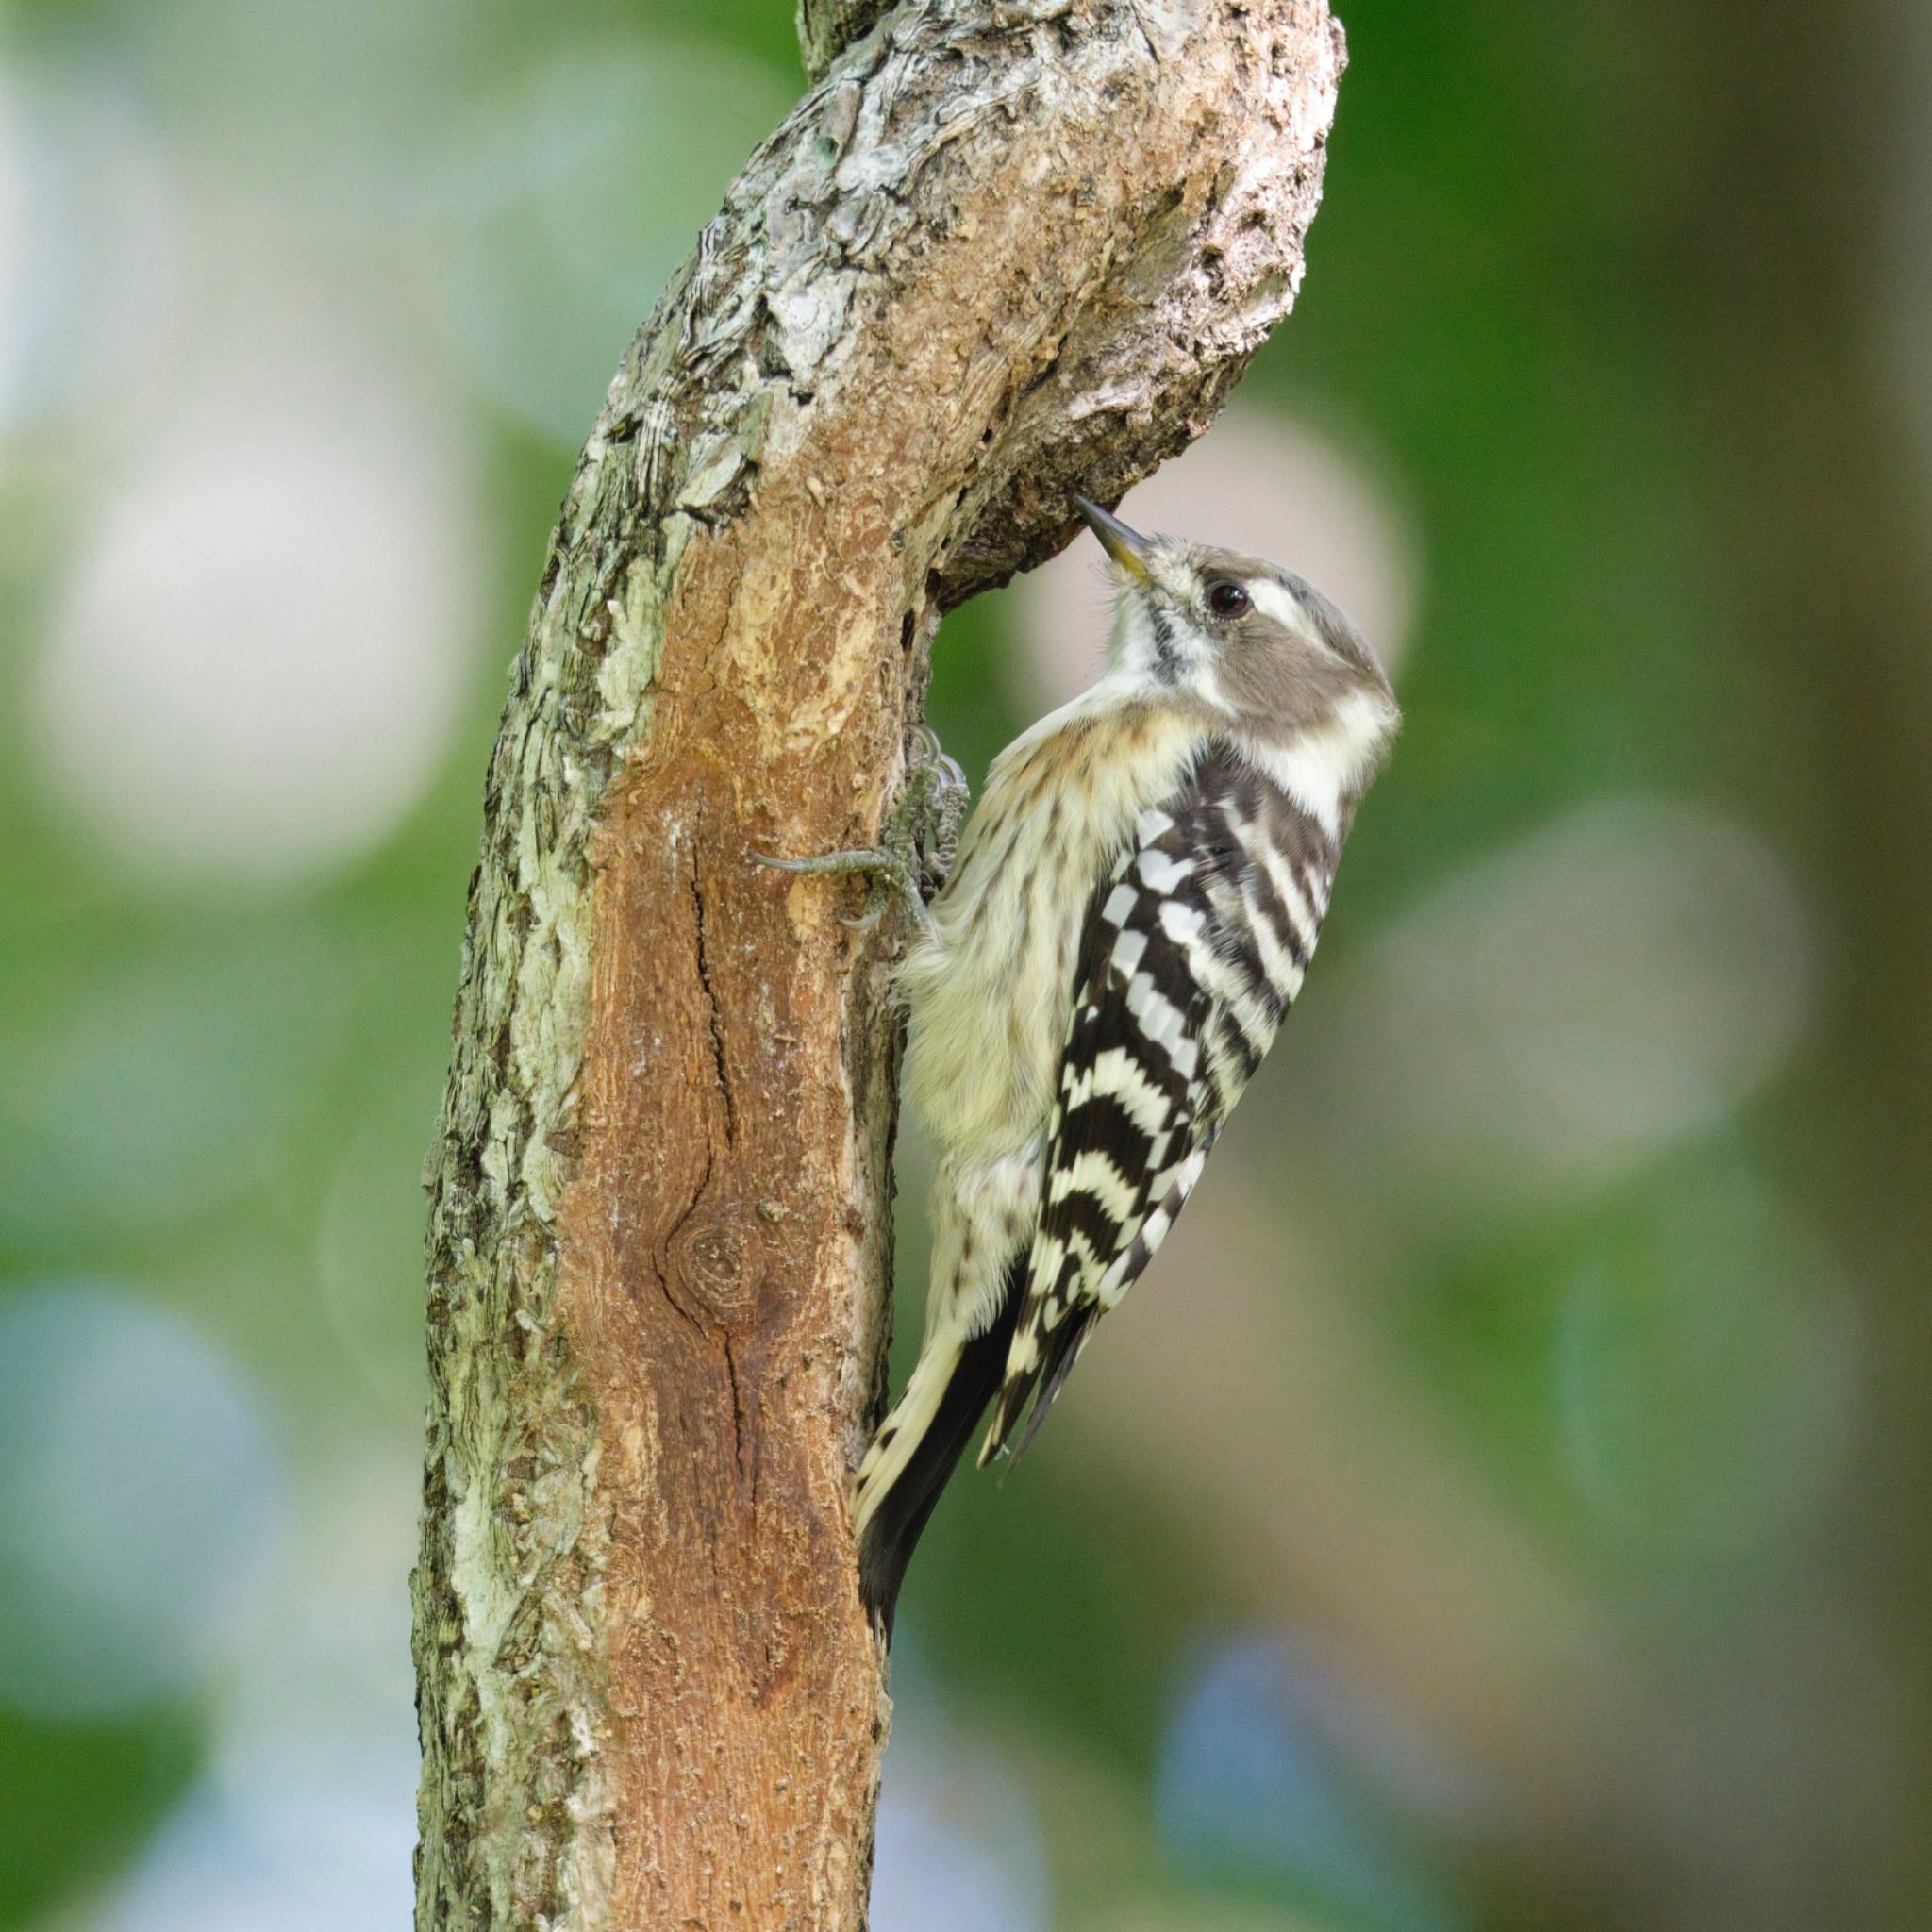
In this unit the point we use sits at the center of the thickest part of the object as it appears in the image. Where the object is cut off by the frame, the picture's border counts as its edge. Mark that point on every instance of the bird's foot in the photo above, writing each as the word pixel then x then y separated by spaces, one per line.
pixel 921 838
pixel 930 812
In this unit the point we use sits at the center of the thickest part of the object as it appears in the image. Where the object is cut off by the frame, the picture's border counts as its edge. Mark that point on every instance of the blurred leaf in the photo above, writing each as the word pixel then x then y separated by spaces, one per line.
pixel 80 1803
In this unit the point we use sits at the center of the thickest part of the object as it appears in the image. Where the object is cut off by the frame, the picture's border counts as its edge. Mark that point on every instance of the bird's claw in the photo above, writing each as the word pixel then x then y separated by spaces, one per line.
pixel 928 820
pixel 921 838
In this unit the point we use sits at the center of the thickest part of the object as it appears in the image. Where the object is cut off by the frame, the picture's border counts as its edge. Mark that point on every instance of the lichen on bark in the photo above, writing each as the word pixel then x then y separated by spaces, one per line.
pixel 999 253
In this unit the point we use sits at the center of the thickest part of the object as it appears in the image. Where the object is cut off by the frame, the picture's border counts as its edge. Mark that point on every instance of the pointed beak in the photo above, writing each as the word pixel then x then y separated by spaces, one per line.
pixel 1128 548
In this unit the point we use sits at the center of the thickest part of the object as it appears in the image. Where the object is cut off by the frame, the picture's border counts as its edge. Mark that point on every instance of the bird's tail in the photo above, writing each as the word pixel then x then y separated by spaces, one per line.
pixel 916 1450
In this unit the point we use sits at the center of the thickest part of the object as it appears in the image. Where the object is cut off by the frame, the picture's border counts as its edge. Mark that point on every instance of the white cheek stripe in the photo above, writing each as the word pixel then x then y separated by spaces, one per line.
pixel 1190 656
pixel 1322 767
pixel 1276 601
pixel 1205 686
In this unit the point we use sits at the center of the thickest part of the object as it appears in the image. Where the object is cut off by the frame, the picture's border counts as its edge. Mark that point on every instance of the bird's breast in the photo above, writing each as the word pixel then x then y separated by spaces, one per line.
pixel 990 994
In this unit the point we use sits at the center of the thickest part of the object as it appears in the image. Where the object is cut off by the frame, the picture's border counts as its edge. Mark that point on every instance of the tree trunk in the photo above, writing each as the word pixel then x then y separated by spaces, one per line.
pixel 1000 253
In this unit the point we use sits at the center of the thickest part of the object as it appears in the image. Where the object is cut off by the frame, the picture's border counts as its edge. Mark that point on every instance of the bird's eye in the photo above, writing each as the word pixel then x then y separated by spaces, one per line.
pixel 1227 600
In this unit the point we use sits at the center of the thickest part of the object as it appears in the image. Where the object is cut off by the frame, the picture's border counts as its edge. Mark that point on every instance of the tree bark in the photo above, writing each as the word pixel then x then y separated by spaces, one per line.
pixel 828 27
pixel 1001 252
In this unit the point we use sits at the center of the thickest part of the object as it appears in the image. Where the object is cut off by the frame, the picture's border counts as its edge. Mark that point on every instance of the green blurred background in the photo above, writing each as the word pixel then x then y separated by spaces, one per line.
pixel 1505 1504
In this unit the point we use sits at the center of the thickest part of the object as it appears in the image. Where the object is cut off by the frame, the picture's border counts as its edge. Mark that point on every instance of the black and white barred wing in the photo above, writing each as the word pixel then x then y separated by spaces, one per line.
pixel 1192 952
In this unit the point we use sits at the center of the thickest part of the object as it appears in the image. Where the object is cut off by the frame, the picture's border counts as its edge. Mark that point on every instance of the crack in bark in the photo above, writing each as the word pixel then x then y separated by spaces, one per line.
pixel 743 1433
pixel 714 1015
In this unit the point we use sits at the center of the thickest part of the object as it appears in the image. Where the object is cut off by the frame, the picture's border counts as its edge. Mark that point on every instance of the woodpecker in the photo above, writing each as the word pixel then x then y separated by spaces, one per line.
pixel 1132 907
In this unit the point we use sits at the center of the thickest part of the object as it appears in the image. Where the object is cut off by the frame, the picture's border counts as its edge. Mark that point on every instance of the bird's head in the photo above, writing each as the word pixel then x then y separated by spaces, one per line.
pixel 1249 640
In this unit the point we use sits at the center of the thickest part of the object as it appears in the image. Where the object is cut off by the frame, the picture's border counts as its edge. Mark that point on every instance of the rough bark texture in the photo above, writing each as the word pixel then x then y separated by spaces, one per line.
pixel 1000 252
pixel 828 27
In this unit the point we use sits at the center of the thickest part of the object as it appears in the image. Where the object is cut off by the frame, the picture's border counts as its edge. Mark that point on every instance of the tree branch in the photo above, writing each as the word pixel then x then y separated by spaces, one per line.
pixel 1001 252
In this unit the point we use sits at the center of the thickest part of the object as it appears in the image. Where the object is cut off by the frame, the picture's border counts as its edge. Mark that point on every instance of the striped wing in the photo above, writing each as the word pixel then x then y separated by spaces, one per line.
pixel 1192 952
